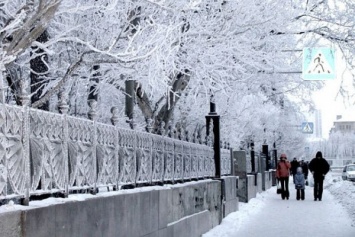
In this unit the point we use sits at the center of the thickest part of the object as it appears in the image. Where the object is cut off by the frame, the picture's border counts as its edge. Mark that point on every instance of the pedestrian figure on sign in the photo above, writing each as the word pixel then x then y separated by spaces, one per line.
pixel 319 168
pixel 319 65
pixel 283 174
pixel 299 184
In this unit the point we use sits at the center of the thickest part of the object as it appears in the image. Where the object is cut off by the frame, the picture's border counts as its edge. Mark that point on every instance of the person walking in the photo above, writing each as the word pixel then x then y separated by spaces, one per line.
pixel 319 167
pixel 283 174
pixel 299 184
pixel 304 167
pixel 294 166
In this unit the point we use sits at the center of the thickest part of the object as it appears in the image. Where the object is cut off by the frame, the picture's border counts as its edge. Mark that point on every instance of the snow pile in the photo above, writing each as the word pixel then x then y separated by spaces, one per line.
pixel 344 192
pixel 235 220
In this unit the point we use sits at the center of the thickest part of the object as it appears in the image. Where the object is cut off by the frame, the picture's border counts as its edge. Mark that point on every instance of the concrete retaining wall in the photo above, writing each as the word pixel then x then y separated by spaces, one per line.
pixel 242 189
pixel 249 184
pixel 268 179
pixel 230 199
pixel 255 188
pixel 189 209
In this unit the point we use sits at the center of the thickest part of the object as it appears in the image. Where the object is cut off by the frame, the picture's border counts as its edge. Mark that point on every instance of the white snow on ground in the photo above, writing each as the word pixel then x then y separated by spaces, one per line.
pixel 269 215
pixel 344 193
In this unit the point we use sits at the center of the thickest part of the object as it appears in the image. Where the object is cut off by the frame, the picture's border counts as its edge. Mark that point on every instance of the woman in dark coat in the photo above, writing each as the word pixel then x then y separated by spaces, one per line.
pixel 319 167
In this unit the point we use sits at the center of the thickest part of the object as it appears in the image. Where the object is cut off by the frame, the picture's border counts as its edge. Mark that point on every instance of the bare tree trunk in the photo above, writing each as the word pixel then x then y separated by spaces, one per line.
pixel 2 93
pixel 37 20
pixel 130 95
pixel 93 92
pixel 38 73
pixel 167 110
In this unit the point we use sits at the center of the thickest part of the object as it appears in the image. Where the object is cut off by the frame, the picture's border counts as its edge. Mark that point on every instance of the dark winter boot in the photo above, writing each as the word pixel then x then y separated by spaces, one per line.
pixel 298 194
pixel 302 194
pixel 315 192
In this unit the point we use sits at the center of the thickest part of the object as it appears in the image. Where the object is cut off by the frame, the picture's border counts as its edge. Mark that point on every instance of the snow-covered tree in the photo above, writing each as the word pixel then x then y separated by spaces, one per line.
pixel 21 24
pixel 179 54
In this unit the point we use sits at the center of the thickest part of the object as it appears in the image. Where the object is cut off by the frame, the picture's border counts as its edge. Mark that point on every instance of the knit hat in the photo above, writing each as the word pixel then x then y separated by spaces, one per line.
pixel 283 155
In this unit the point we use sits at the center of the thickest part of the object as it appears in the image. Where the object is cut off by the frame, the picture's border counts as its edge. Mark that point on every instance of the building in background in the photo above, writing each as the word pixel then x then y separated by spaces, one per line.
pixel 341 143
pixel 343 125
pixel 318 124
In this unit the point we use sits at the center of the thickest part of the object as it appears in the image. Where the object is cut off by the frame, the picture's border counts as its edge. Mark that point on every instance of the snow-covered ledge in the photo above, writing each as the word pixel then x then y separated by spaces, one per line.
pixel 188 209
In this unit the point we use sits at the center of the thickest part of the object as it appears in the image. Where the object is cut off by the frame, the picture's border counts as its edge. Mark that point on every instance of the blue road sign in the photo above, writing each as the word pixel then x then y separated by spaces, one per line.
pixel 307 127
pixel 318 64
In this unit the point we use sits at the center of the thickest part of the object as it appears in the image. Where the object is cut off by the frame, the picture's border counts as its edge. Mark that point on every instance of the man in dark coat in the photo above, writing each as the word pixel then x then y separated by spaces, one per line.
pixel 304 167
pixel 319 168
pixel 294 166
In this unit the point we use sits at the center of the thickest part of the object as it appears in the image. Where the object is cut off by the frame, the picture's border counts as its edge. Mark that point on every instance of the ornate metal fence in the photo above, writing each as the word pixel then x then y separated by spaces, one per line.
pixel 226 164
pixel 13 166
pixel 42 152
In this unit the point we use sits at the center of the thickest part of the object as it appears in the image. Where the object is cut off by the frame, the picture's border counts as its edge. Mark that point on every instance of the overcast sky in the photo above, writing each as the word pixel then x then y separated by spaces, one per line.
pixel 329 103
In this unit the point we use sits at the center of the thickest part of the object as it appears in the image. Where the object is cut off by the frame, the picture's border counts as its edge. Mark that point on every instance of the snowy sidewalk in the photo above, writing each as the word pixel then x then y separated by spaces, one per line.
pixel 268 215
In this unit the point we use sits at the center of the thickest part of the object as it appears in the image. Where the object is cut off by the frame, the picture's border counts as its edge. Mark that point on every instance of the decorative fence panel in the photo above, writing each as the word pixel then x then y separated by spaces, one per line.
pixel 106 155
pixel 127 153
pixel 169 160
pixel 144 158
pixel 3 145
pixel 187 160
pixel 48 163
pixel 202 172
pixel 225 162
pixel 12 165
pixel 158 158
pixel 43 152
pixel 210 166
pixel 179 165
pixel 194 161
pixel 82 153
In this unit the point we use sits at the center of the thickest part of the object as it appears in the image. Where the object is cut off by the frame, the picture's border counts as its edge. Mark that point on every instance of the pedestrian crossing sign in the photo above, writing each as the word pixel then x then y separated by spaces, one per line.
pixel 318 64
pixel 307 127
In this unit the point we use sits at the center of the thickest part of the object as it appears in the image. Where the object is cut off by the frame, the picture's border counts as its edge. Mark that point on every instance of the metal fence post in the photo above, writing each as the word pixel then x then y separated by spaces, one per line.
pixel 114 121
pixel 92 114
pixel 63 109
pixel 25 100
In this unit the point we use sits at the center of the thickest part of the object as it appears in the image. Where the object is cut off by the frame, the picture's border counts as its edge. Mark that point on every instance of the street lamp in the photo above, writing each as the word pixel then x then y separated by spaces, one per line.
pixel 214 117
pixel 252 155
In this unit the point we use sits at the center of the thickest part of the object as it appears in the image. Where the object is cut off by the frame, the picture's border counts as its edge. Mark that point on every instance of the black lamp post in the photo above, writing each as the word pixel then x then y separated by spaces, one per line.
pixel 252 156
pixel 265 151
pixel 212 115
pixel 275 153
